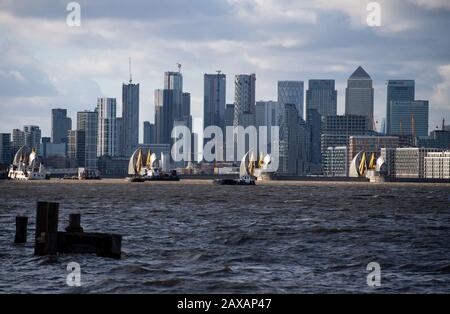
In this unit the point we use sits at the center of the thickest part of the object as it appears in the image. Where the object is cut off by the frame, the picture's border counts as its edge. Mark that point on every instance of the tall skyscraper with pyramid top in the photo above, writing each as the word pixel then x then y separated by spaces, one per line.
pixel 359 95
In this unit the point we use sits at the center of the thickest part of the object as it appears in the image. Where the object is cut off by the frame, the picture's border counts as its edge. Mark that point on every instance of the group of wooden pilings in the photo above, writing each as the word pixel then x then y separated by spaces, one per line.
pixel 50 241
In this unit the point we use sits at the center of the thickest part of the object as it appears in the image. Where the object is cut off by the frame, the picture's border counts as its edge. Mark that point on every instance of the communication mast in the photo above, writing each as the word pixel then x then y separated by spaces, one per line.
pixel 129 69
pixel 179 67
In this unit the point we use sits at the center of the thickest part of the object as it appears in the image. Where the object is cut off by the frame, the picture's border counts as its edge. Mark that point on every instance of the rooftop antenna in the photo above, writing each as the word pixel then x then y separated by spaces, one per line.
pixel 179 67
pixel 129 68
pixel 219 71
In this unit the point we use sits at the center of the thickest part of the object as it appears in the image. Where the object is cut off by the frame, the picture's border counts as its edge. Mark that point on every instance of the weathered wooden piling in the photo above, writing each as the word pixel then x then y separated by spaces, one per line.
pixel 104 245
pixel 48 241
pixel 74 223
pixel 21 229
pixel 46 236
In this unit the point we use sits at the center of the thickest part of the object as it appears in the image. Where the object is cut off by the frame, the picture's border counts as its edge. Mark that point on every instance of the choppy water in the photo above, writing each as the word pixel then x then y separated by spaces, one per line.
pixel 193 237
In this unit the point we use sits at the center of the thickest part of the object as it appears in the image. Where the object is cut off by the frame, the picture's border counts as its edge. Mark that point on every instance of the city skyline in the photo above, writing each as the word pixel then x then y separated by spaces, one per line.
pixel 75 66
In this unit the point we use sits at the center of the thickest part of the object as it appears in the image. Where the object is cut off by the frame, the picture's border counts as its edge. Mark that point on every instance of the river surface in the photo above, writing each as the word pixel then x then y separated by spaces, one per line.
pixel 277 237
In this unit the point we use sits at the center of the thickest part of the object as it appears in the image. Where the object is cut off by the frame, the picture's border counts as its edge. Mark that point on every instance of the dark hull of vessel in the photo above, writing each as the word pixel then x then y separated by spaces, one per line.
pixel 155 179
pixel 163 179
pixel 233 182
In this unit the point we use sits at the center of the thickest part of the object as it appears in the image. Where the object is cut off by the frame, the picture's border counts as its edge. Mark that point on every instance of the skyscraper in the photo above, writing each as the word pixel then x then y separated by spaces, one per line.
pixel 229 115
pixel 314 121
pixel 76 147
pixel 171 104
pixel 149 133
pixel 409 118
pixel 291 92
pixel 185 111
pixel 214 94
pixel 5 148
pixel 32 136
pixel 61 124
pixel 244 100
pixel 129 137
pixel 106 109
pixel 87 121
pixel 164 113
pixel 400 90
pixel 18 140
pixel 322 96
pixel 294 141
pixel 173 81
pixel 336 130
pixel 359 95
pixel 267 115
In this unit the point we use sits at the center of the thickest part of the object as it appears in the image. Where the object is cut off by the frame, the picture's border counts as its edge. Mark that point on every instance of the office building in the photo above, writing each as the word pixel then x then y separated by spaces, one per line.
pixel 76 149
pixel 18 140
pixel 359 95
pixel 129 124
pixel 437 165
pixel 214 99
pixel 244 100
pixel 32 136
pixel 149 133
pixel 171 104
pixel 409 118
pixel 267 116
pixel 439 139
pixel 229 115
pixel 406 162
pixel 335 162
pixel 87 121
pixel 398 90
pixel 314 121
pixel 322 96
pixel 61 124
pixel 107 136
pixel 336 130
pixel 5 148
pixel 291 92
pixel 294 142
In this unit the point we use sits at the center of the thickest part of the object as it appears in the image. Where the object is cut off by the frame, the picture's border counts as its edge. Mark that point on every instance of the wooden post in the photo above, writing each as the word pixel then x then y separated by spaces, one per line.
pixel 21 229
pixel 46 236
pixel 74 223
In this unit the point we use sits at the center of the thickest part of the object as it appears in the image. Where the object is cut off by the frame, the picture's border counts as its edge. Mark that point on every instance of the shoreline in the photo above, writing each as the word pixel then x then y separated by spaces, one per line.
pixel 205 181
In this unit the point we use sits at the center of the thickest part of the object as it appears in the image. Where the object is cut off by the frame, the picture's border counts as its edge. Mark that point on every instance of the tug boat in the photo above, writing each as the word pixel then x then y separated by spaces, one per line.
pixel 150 170
pixel 27 166
pixel 248 170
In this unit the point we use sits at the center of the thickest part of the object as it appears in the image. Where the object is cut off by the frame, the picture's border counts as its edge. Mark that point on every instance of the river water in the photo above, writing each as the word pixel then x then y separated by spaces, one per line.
pixel 277 237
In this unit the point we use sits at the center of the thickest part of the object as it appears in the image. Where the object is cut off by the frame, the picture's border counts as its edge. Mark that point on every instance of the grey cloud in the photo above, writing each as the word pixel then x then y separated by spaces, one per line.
pixel 20 74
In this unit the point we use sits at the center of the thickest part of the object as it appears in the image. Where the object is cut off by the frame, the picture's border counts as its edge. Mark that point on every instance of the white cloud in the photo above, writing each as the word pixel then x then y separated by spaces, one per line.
pixel 441 92
pixel 274 11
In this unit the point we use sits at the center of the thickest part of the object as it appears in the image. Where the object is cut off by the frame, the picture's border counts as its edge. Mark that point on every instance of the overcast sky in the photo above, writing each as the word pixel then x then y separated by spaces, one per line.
pixel 46 64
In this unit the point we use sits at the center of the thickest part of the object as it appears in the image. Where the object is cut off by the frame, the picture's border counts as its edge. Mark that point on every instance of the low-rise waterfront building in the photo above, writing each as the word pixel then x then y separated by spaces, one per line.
pixel 335 162
pixel 370 145
pixel 406 162
pixel 437 165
